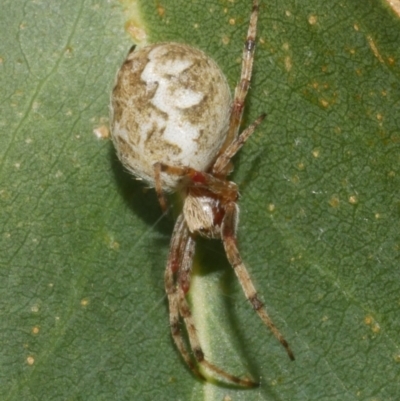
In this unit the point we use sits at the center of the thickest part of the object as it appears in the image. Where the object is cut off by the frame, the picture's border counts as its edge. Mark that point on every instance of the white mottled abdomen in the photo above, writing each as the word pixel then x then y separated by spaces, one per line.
pixel 170 104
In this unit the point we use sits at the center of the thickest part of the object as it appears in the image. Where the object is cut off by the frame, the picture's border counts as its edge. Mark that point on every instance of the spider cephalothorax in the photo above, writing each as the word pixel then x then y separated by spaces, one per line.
pixel 175 126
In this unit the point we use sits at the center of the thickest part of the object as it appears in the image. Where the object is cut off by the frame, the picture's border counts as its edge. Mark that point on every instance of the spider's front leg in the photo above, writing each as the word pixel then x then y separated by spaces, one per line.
pixel 245 77
pixel 228 233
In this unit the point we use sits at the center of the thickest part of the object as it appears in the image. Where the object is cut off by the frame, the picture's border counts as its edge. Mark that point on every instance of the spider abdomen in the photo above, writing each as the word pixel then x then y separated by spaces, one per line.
pixel 170 105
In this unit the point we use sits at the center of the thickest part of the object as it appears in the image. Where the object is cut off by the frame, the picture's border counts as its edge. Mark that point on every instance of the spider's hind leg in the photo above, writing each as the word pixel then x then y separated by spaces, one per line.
pixel 243 86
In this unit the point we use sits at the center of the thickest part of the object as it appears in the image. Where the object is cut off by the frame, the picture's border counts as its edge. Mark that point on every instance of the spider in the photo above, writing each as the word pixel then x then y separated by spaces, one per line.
pixel 175 126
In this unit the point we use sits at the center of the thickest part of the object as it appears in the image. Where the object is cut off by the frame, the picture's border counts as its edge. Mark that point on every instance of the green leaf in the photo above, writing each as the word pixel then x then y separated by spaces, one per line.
pixel 83 245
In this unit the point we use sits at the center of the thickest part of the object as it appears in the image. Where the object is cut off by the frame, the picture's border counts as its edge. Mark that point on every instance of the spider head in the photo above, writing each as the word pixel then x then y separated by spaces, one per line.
pixel 204 212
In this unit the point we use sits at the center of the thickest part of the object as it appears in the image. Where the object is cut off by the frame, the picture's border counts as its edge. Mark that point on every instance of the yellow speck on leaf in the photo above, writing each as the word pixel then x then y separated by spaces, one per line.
pixel 84 302
pixel 316 153
pixel 30 360
pixel 334 201
pixel 353 199
pixel 312 19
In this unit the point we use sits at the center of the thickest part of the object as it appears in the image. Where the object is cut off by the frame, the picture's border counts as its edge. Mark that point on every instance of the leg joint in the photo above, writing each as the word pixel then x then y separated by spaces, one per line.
pixel 198 354
pixel 255 302
pixel 175 329
pixel 250 45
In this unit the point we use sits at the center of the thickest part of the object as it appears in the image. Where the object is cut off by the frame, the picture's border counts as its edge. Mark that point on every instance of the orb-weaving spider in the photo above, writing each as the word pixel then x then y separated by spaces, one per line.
pixel 174 125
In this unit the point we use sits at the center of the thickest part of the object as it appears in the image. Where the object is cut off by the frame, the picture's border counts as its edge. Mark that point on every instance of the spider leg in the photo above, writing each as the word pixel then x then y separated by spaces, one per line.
pixel 225 189
pixel 186 314
pixel 245 77
pixel 221 164
pixel 232 252
pixel 180 261
pixel 158 187
pixel 180 238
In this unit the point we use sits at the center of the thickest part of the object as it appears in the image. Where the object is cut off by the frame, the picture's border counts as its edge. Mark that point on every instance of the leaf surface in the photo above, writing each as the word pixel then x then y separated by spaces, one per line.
pixel 83 245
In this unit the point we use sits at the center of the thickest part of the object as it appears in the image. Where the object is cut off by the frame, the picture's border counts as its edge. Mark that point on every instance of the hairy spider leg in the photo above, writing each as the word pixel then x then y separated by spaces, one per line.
pixel 180 262
pixel 229 240
pixel 158 187
pixel 198 353
pixel 221 166
pixel 179 240
pixel 245 76
pixel 226 190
